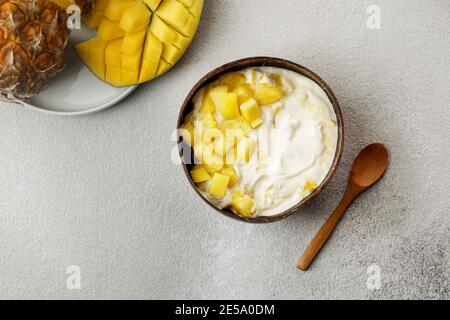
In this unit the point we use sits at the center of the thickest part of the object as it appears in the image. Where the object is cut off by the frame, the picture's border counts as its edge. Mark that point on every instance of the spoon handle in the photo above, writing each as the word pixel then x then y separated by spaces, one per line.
pixel 325 232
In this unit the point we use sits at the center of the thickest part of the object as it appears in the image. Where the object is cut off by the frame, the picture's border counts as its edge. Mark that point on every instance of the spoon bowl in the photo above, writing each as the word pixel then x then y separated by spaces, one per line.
pixel 369 165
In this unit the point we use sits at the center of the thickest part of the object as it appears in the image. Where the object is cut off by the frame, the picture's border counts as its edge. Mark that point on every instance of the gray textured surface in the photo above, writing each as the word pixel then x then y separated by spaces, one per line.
pixel 101 192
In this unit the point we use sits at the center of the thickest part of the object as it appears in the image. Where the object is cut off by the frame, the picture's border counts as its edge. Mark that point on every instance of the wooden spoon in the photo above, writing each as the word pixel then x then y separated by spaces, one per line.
pixel 368 168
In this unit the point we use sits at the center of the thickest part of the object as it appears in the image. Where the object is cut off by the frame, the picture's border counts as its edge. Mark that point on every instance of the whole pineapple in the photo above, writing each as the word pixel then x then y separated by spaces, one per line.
pixel 33 37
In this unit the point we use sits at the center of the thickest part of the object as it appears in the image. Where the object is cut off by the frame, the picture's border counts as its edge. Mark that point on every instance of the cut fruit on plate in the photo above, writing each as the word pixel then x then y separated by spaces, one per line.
pixel 153 36
pixel 71 92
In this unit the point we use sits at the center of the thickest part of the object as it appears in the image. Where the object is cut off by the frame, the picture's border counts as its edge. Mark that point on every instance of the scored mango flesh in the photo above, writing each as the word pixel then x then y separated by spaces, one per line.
pixel 219 132
pixel 138 40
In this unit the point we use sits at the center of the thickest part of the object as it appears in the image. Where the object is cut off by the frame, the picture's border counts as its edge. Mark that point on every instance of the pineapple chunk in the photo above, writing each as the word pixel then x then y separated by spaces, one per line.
pixel 133 41
pixel 162 31
pixel 173 13
pixel 131 61
pixel 150 59
pixel 207 103
pixel 92 19
pixel 116 8
pixel 112 54
pixel 232 110
pixel 244 149
pixel 266 94
pixel 199 174
pixel 242 203
pixel 109 30
pixel 244 92
pixel 205 121
pixel 186 131
pixel 251 112
pixel 135 18
pixel 211 161
pixel 152 4
pixel 219 185
pixel 171 53
pixel 229 171
pixel 309 186
pixel 232 80
pixel 238 124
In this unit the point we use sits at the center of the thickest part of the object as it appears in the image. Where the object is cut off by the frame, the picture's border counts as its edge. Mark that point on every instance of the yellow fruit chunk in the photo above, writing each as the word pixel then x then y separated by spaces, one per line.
pixel 163 67
pixel 219 184
pixel 232 80
pixel 211 161
pixel 242 203
pixel 109 30
pixel 251 112
pixel 162 31
pixel 244 92
pixel 186 131
pixel 92 50
pixel 195 7
pixel 232 110
pixel 200 174
pixel 133 42
pixel 153 4
pixel 266 94
pixel 113 75
pixel 136 18
pixel 309 186
pixel 190 27
pixel 229 171
pixel 207 103
pixel 173 13
pixel 115 8
pixel 113 53
pixel 171 53
pixel 180 41
pixel 92 19
pixel 150 58
pixel 244 149
pixel 129 77
pixel 238 124
pixel 131 61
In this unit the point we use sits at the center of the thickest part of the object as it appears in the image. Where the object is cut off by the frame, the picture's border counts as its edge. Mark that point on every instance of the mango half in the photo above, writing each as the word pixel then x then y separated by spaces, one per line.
pixel 138 40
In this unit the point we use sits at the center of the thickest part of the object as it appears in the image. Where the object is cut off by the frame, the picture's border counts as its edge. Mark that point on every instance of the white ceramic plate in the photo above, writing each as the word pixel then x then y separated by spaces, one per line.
pixel 75 90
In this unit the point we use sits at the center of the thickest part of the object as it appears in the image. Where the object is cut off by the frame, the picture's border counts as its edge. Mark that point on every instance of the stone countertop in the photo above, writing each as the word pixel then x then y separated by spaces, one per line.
pixel 101 193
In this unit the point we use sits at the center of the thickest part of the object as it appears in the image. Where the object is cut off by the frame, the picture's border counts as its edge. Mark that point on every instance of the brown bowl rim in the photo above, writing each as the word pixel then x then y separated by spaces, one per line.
pixel 265 62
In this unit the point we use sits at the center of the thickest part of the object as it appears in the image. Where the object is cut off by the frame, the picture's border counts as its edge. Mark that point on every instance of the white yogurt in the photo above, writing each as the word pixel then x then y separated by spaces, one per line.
pixel 296 145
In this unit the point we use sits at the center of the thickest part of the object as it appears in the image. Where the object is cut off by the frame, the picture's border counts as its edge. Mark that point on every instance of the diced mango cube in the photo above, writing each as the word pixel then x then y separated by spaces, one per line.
pixel 150 58
pixel 219 185
pixel 133 41
pixel 207 103
pixel 153 4
pixel 232 80
pixel 242 203
pixel 171 53
pixel 131 61
pixel 173 13
pixel 180 41
pixel 109 30
pixel 163 67
pixel 129 77
pixel 266 94
pixel 200 174
pixel 115 8
pixel 135 18
pixel 113 75
pixel 229 171
pixel 251 112
pixel 244 92
pixel 112 54
pixel 162 31
pixel 195 8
